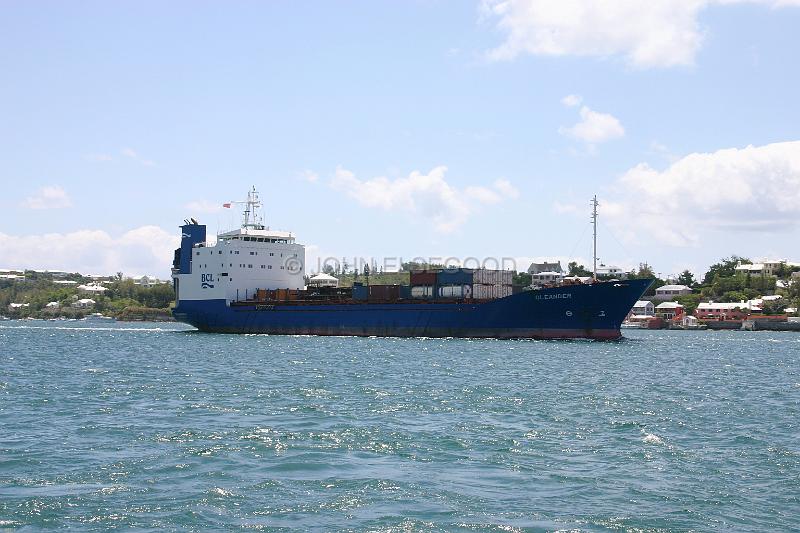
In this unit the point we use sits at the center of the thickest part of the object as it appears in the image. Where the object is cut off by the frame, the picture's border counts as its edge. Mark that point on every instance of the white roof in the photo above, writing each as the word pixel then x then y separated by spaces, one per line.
pixel 722 305
pixel 53 304
pixel 749 266
pixel 643 303
pixel 323 276
pixel 252 232
pixel 673 288
pixel 669 305
pixel 15 305
pixel 93 287
pixel 86 301
pixel 642 316
pixel 65 282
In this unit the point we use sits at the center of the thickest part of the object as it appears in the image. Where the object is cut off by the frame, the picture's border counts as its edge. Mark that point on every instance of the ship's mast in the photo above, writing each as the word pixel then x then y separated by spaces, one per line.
pixel 594 239
pixel 251 205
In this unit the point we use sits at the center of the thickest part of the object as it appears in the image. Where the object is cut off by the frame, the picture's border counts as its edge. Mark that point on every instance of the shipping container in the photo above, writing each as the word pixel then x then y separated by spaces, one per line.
pixel 384 292
pixel 493 277
pixel 422 291
pixel 423 277
pixel 360 292
pixel 454 276
pixel 456 291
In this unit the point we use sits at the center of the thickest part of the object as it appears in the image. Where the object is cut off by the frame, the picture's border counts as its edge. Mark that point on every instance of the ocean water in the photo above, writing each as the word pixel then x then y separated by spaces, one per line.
pixel 155 427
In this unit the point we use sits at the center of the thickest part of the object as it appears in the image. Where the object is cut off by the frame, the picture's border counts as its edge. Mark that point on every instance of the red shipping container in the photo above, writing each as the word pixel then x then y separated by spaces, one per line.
pixel 423 277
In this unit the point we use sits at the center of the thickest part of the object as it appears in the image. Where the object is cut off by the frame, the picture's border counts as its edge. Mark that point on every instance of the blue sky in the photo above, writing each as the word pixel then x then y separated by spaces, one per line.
pixel 121 119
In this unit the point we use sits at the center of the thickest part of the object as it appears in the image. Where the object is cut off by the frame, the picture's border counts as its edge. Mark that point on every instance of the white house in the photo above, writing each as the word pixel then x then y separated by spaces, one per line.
pixel 643 308
pixel 544 278
pixel 146 281
pixel 539 268
pixel 84 303
pixel 53 305
pixel 92 288
pixel 323 280
pixel 611 271
pixel 754 269
pixel 17 307
pixel 668 292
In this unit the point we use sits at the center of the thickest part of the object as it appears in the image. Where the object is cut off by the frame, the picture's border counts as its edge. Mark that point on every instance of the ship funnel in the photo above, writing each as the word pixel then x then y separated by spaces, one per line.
pixel 191 234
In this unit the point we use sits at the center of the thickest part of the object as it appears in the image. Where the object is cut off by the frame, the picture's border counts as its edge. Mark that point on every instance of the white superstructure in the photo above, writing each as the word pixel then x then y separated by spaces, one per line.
pixel 242 261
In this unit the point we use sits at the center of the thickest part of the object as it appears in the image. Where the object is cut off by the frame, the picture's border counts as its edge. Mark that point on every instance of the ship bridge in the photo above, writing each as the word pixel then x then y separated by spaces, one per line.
pixel 242 260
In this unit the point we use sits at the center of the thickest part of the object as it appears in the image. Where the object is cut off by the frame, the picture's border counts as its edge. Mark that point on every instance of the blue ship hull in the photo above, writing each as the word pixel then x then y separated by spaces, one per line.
pixel 574 311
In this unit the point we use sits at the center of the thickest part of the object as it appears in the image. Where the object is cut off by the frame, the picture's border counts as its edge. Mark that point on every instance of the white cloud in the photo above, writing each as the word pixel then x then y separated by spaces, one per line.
pixel 426 195
pixel 309 176
pixel 756 188
pixel 658 33
pixel 595 127
pixel 506 189
pixel 203 206
pixel 571 100
pixel 133 154
pixel 144 250
pixel 50 197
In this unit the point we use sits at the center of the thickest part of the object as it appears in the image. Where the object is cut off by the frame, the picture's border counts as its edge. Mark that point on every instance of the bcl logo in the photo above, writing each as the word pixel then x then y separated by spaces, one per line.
pixel 207 281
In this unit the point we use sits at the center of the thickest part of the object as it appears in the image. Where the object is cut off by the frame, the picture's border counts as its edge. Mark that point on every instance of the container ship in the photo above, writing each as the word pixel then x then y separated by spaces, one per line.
pixel 253 280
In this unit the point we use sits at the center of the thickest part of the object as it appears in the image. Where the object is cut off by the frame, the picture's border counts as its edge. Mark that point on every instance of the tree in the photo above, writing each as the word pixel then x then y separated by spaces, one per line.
pixel 521 278
pixel 686 278
pixel 774 307
pixel 725 268
pixel 688 301
pixel 733 296
pixel 574 269
pixel 645 271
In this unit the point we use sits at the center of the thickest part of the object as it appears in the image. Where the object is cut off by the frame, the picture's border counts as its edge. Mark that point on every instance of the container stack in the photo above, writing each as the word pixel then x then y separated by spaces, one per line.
pixel 423 283
pixel 454 283
pixel 491 284
pixel 461 283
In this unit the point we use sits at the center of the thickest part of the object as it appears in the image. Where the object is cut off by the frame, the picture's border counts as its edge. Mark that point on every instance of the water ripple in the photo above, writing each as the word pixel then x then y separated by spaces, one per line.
pixel 152 427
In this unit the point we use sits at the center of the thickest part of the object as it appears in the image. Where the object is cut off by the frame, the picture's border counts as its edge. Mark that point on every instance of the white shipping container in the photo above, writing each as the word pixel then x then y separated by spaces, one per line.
pixel 493 277
pixel 483 291
pixel 422 291
pixel 481 276
pixel 456 291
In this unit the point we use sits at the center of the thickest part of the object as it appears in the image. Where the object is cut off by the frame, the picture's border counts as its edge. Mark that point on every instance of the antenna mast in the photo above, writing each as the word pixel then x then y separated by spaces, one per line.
pixel 594 240
pixel 251 205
